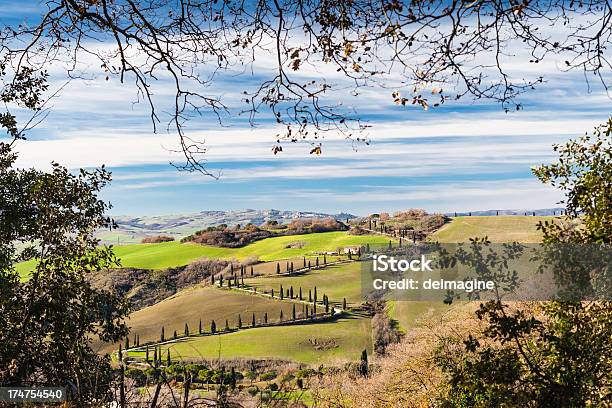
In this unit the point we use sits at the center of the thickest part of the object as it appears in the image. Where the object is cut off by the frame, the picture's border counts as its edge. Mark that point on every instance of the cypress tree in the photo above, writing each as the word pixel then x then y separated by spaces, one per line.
pixel 221 281
pixel 309 295
pixel 138 340
pixel 232 268
pixel 309 266
pixel 281 315
pixel 266 318
pixel 300 293
pixel 277 268
pixel 213 327
pixel 293 313
pixel 239 322
pixel 344 304
pixel 251 270
pixel 304 262
pixel 253 321
pixel 287 266
pixel 324 260
pixel 229 283
pixel 233 379
pixel 175 335
pixel 282 293
pixel 317 262
pixel 363 365
pixel 272 292
pixel 291 268
pixel 315 294
pixel 242 281
pixel 147 354
pixel 350 254
pixel 155 356
pixel 168 359
pixel 326 307
pixel 291 292
pixel 200 327
pixel 186 330
pixel 226 325
pixel 162 337
pixel 212 279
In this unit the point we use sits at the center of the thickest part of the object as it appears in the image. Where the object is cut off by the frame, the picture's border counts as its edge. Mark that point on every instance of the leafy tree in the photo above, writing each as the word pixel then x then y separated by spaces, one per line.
pixel 53 216
pixel 563 357
pixel 458 45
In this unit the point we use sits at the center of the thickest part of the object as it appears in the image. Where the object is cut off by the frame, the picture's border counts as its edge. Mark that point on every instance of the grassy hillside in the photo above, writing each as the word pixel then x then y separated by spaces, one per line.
pixel 336 281
pixel 206 303
pixel 320 343
pixel 169 254
pixel 408 313
pixel 498 229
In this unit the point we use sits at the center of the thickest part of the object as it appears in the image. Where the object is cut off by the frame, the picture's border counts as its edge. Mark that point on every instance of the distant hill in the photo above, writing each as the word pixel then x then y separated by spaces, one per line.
pixel 539 212
pixel 132 229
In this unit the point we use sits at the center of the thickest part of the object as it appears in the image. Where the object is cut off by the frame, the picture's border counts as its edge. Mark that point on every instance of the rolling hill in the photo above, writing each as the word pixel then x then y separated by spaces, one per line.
pixel 496 228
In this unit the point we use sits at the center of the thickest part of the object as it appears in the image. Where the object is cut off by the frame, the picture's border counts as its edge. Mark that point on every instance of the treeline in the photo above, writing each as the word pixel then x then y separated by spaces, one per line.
pixel 413 223
pixel 156 239
pixel 239 236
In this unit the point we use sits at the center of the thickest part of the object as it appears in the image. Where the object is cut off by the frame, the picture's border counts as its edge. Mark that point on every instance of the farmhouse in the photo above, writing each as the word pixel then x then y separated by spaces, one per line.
pixel 353 250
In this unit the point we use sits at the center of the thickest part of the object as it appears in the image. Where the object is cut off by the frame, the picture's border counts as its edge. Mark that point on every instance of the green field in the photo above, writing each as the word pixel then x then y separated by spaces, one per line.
pixel 170 254
pixel 336 281
pixel 337 341
pixel 408 313
pixel 206 303
pixel 498 229
pixel 269 268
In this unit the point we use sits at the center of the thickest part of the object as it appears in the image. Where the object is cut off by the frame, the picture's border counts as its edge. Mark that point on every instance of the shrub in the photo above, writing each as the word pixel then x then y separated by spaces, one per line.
pixel 136 375
pixel 156 239
pixel 253 390
pixel 270 375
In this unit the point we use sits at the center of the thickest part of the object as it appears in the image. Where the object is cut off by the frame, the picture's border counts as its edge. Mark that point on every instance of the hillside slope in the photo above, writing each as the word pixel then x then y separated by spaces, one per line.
pixel 496 228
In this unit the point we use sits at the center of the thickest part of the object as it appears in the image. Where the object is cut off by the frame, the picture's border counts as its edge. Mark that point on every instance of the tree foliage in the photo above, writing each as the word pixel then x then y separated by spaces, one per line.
pixel 50 320
pixel 560 353
pixel 423 53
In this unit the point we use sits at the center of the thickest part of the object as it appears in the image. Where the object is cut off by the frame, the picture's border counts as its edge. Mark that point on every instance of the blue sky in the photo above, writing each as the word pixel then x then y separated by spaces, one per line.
pixel 464 156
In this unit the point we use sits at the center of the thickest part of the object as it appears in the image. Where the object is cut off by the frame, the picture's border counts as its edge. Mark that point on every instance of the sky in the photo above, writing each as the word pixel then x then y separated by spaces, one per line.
pixel 463 156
